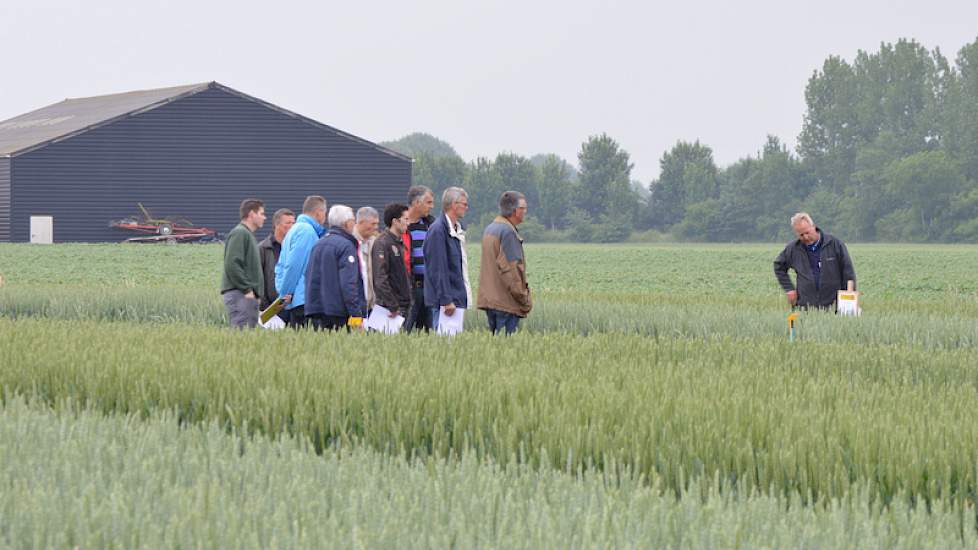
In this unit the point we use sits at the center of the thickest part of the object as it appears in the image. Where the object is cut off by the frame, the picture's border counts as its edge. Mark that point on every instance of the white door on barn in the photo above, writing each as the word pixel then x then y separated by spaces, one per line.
pixel 42 229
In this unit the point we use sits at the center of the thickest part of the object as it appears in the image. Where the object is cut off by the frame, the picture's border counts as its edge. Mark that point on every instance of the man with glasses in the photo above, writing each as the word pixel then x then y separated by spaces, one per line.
pixel 446 281
pixel 503 291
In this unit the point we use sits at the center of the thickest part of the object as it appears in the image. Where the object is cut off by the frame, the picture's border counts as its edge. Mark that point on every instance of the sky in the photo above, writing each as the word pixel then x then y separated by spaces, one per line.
pixel 487 77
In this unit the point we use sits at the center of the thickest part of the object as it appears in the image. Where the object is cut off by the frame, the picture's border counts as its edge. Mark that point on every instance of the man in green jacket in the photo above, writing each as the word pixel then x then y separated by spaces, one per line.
pixel 242 282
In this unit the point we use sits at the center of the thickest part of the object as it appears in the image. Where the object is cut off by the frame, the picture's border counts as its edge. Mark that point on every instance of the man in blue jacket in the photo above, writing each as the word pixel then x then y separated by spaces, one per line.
pixel 446 281
pixel 334 287
pixel 290 271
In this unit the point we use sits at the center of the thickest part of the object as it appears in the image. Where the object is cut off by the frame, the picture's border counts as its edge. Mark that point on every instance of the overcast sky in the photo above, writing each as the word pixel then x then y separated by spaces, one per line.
pixel 520 76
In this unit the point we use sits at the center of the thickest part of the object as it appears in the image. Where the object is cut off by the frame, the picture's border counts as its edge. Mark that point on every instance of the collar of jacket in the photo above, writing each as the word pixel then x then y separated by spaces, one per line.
pixel 340 232
pixel 269 242
pixel 361 240
pixel 501 219
pixel 823 236
pixel 305 218
pixel 456 233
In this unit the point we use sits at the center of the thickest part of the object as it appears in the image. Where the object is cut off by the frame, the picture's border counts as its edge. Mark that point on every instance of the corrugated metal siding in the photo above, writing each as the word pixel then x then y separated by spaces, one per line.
pixel 5 199
pixel 197 158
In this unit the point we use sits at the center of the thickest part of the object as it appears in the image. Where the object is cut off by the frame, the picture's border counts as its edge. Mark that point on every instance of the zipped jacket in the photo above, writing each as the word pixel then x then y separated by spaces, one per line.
pixel 836 271
pixel 292 261
pixel 392 284
pixel 502 272
pixel 445 279
pixel 334 286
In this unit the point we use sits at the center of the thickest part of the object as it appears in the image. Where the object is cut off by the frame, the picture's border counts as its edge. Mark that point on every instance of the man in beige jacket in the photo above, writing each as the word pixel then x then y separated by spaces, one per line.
pixel 365 232
pixel 503 291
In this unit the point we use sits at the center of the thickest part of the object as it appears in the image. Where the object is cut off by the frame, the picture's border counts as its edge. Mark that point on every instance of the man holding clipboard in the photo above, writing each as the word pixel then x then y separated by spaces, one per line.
pixel 446 282
pixel 821 263
pixel 391 282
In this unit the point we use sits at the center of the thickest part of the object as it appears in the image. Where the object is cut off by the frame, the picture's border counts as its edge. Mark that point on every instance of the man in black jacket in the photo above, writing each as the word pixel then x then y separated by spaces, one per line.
pixel 389 258
pixel 269 250
pixel 821 263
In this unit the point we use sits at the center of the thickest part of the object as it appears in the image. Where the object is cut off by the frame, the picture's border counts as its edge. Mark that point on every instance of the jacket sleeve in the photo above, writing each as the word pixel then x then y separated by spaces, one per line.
pixel 234 261
pixel 436 265
pixel 379 258
pixel 350 287
pixel 295 261
pixel 267 256
pixel 781 265
pixel 508 260
pixel 848 271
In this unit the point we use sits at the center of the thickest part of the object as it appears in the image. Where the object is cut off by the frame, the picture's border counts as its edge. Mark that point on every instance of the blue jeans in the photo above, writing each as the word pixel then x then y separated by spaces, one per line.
pixel 420 315
pixel 499 320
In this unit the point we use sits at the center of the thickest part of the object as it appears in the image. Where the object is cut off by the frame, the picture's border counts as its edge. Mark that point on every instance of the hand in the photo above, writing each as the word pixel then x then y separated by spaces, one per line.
pixel 250 294
pixel 287 299
pixel 279 307
pixel 392 313
pixel 792 296
pixel 450 310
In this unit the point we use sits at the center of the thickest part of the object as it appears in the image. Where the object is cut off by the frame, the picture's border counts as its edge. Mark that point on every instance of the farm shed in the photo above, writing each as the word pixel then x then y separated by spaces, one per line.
pixel 190 151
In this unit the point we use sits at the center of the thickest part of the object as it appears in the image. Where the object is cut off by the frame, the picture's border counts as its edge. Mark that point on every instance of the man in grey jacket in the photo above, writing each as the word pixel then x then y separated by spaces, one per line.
pixel 821 263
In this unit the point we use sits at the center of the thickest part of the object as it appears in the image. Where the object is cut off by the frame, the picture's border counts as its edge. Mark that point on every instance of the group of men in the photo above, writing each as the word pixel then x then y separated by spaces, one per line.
pixel 328 268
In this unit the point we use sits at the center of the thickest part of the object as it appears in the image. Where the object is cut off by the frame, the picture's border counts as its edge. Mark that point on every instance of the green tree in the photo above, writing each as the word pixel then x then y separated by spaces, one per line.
pixel 481 186
pixel 687 175
pixel 960 116
pixel 556 191
pixel 605 178
pixel 514 172
pixel 420 143
pixel 924 185
pixel 830 134
pixel 438 172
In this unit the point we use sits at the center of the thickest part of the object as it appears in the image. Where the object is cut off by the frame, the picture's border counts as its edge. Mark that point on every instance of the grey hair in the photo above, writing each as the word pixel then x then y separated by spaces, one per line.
pixel 509 201
pixel 367 213
pixel 801 217
pixel 451 196
pixel 281 213
pixel 339 215
pixel 417 193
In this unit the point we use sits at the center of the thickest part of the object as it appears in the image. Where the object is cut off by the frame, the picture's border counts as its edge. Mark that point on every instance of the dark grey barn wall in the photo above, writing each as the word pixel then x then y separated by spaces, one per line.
pixel 197 157
pixel 5 199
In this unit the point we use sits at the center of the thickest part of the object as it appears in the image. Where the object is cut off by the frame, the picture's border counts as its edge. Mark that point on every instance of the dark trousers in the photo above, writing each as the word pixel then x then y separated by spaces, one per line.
pixel 284 316
pixel 297 317
pixel 327 322
pixel 419 316
pixel 500 320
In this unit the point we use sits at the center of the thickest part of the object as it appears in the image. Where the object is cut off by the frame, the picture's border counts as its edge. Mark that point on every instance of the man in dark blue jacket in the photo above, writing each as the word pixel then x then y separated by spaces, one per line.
pixel 446 281
pixel 334 288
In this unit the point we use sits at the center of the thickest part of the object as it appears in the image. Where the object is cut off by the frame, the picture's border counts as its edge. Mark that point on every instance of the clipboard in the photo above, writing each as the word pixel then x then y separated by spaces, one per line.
pixel 270 311
pixel 847 301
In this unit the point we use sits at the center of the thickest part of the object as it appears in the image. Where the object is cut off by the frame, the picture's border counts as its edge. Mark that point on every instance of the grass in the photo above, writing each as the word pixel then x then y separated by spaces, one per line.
pixel 669 362
pixel 82 479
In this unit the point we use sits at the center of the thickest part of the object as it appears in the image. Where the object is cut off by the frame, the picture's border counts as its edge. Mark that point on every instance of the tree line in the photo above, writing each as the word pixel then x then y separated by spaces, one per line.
pixel 888 151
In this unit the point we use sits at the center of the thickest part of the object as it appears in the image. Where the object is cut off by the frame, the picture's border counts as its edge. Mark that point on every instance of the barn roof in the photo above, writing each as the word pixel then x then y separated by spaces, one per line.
pixel 71 117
